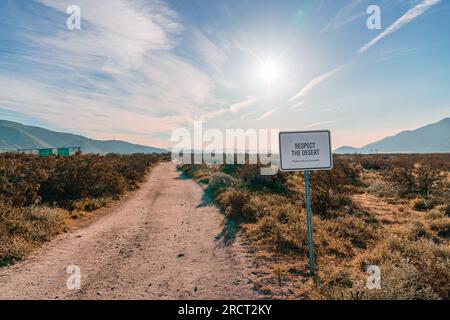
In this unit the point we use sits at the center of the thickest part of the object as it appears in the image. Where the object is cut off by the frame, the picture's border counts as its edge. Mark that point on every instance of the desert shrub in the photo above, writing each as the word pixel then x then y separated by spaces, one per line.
pixel 440 196
pixel 420 204
pixel 435 213
pixel 348 169
pixel 410 269
pixel 414 270
pixel 418 230
pixel 219 182
pixel 230 168
pixel 243 206
pixel 283 230
pixel 80 179
pixel 329 196
pixel 21 177
pixel 382 188
pixel 21 229
pixel 428 176
pixel 197 171
pixel 353 229
pixel 328 203
pixel 441 227
pixel 334 280
pixel 27 180
pixel 416 179
pixel 403 178
pixel 373 162
pixel 445 208
pixel 331 190
pixel 87 204
pixel 234 202
pixel 34 190
pixel 251 176
pixel 188 170
pixel 132 167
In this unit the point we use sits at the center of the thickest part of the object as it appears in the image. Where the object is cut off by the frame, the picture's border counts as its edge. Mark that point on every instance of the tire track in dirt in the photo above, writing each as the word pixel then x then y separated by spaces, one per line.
pixel 158 244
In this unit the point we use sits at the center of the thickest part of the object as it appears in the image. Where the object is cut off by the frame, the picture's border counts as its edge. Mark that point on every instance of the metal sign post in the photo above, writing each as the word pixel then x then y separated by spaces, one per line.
pixel 306 151
pixel 309 225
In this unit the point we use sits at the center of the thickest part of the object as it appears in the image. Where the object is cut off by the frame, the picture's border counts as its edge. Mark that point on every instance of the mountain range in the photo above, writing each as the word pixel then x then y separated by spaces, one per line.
pixel 433 138
pixel 14 135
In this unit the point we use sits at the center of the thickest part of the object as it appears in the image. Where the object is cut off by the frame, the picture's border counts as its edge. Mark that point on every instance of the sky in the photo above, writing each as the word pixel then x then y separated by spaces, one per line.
pixel 140 69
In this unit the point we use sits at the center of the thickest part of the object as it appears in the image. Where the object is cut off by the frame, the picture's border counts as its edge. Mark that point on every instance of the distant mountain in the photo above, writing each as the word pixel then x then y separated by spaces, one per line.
pixel 433 138
pixel 18 136
pixel 347 150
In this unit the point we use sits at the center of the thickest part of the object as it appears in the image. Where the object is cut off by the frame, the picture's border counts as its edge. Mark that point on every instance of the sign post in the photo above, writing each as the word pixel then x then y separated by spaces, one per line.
pixel 306 151
pixel 312 259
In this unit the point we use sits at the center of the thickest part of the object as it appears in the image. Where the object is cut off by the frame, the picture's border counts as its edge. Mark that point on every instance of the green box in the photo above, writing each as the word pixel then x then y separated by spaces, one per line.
pixel 65 152
pixel 45 152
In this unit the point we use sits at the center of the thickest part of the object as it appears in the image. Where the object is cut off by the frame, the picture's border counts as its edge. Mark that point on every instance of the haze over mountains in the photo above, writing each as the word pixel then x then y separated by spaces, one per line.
pixel 14 135
pixel 433 138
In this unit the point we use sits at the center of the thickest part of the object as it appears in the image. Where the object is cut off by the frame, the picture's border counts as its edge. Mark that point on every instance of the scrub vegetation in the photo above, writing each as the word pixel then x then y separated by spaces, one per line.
pixel 392 211
pixel 40 197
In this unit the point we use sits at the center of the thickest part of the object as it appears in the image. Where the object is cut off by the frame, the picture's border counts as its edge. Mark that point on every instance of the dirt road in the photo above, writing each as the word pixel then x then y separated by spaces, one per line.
pixel 161 243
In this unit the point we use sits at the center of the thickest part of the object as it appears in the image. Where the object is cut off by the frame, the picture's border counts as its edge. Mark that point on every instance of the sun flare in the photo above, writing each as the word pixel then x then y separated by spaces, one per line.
pixel 268 71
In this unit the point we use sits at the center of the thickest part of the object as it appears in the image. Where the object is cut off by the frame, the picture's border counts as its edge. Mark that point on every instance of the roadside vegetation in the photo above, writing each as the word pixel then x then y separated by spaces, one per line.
pixel 392 211
pixel 41 197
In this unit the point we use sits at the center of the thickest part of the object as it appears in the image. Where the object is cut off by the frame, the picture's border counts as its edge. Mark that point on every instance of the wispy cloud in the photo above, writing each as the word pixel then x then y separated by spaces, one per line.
pixel 314 83
pixel 347 14
pixel 297 105
pixel 409 16
pixel 81 114
pixel 122 32
pixel 243 104
pixel 267 114
pixel 233 108
pixel 394 53
pixel 120 69
pixel 318 124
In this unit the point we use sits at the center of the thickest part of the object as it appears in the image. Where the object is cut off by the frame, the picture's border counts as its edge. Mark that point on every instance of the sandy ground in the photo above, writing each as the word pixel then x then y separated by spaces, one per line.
pixel 161 243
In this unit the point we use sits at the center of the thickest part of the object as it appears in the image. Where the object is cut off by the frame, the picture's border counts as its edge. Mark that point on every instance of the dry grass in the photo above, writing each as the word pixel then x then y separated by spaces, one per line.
pixel 23 229
pixel 39 197
pixel 363 216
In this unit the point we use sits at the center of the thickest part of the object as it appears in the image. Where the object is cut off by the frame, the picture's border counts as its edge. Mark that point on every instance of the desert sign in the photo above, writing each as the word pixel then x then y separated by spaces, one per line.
pixel 306 151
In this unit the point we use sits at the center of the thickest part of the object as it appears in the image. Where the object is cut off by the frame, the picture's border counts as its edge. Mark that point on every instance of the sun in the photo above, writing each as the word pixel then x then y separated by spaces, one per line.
pixel 268 71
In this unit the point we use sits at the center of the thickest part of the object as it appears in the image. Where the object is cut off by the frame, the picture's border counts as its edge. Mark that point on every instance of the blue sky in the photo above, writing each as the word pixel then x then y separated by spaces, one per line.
pixel 139 69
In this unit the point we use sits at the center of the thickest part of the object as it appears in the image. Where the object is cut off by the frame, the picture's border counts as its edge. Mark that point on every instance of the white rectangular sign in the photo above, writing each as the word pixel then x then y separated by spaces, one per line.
pixel 306 150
